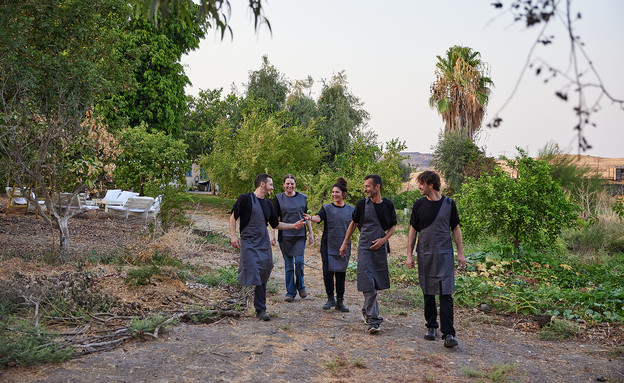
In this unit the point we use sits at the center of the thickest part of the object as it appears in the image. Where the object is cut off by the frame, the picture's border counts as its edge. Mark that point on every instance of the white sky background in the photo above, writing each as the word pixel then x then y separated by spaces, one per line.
pixel 389 54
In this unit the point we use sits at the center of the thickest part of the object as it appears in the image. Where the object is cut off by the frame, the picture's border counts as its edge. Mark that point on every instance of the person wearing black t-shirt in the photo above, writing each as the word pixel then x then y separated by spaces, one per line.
pixel 433 218
pixel 256 256
pixel 376 219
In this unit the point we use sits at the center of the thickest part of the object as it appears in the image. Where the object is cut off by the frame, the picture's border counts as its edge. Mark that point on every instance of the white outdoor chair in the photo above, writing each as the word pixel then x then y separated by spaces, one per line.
pixel 120 200
pixel 155 209
pixel 18 201
pixel 134 206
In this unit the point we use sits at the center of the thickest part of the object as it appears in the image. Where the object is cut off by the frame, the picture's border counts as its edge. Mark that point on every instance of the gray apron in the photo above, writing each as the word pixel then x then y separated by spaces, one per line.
pixel 436 264
pixel 338 220
pixel 372 268
pixel 292 209
pixel 256 257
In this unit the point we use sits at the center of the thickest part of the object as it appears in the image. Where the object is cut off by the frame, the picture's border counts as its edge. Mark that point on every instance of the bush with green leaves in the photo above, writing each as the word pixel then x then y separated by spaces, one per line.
pixel 529 209
pixel 27 345
pixel 363 157
pixel 223 276
pixel 150 160
pixel 456 157
pixel 266 142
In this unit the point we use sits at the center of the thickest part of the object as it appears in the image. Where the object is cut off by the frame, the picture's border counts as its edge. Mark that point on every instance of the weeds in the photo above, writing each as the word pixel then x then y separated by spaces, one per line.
pixel 139 327
pixel 559 330
pixel 202 315
pixel 27 344
pixel 223 276
pixel 471 373
pixel 142 276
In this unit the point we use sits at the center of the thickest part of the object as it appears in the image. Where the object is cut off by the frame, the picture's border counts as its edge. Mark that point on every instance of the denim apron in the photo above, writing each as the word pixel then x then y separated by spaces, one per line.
pixel 372 268
pixel 338 220
pixel 256 257
pixel 436 264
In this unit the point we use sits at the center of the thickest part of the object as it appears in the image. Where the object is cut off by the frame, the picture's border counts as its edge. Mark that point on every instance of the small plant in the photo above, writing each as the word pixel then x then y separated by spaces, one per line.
pixel 559 330
pixel 272 286
pixel 223 276
pixel 149 324
pixel 500 372
pixel 336 365
pixel 29 345
pixel 142 276
pixel 472 373
pixel 286 327
pixel 358 363
pixel 202 315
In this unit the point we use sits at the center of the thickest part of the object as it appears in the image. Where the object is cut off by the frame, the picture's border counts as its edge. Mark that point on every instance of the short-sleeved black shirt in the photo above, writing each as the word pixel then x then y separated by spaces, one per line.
pixel 424 212
pixel 242 208
pixel 385 213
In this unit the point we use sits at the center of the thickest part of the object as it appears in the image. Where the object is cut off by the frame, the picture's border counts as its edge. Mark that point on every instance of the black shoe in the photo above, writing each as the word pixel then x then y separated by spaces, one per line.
pixel 373 329
pixel 450 341
pixel 329 304
pixel 341 307
pixel 263 315
pixel 431 334
pixel 303 294
pixel 288 298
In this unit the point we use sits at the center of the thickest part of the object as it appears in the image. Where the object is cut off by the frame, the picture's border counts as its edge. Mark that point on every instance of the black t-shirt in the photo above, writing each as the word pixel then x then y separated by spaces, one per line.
pixel 385 213
pixel 242 208
pixel 424 212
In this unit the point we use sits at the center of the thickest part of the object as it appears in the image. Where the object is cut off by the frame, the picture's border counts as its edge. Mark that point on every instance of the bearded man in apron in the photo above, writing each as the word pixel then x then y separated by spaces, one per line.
pixel 433 218
pixel 256 256
pixel 376 219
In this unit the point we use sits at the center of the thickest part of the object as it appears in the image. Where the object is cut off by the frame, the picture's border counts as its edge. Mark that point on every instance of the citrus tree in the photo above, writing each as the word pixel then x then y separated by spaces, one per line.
pixel 529 208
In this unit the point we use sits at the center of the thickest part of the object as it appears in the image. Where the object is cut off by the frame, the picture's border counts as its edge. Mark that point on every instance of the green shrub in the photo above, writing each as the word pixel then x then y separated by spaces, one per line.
pixel 559 330
pixel 142 276
pixel 223 276
pixel 28 345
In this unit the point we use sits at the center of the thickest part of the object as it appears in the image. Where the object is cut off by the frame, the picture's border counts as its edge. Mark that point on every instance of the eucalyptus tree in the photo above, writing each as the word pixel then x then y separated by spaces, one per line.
pixel 460 92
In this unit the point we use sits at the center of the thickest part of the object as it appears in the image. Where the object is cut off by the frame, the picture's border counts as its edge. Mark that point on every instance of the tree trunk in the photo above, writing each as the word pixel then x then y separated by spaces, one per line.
pixel 63 235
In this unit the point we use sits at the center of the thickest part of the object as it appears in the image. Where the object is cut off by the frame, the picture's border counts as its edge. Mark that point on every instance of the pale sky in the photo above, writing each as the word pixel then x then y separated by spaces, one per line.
pixel 388 51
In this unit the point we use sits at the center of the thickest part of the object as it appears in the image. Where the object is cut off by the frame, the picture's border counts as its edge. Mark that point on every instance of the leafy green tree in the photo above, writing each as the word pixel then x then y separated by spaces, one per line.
pixel 585 186
pixel 56 59
pixel 300 105
pixel 456 157
pixel 528 209
pixel 269 84
pixel 461 90
pixel 156 95
pixel 150 161
pixel 341 115
pixel 266 142
pixel 206 111
pixel 364 156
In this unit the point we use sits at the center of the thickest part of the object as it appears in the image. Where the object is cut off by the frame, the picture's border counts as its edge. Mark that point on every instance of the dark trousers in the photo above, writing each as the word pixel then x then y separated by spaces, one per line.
pixel 260 297
pixel 446 313
pixel 328 279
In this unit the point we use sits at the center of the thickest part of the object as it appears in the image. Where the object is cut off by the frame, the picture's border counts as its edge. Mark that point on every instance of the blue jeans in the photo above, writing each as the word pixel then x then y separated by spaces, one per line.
pixel 293 272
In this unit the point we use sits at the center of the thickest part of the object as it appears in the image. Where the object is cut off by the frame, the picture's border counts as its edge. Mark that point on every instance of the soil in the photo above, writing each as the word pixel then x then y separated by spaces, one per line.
pixel 302 342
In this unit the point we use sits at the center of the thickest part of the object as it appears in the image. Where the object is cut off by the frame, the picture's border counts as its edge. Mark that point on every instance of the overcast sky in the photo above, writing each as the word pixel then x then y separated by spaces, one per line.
pixel 388 51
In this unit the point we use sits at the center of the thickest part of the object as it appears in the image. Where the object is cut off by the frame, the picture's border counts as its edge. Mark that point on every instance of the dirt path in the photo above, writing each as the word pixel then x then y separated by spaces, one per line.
pixel 303 343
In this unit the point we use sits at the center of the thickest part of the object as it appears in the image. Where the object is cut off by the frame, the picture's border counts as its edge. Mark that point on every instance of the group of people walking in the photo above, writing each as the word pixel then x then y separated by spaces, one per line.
pixel 433 219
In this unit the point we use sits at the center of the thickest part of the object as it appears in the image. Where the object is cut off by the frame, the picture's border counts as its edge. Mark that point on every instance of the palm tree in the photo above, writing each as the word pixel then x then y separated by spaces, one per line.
pixel 460 91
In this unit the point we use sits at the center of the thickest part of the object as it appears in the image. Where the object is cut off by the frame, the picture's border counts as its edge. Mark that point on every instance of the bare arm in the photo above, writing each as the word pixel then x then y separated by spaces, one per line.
pixel 382 241
pixel 315 218
pixel 411 238
pixel 233 237
pixel 310 232
pixel 457 237
pixel 288 226
pixel 347 238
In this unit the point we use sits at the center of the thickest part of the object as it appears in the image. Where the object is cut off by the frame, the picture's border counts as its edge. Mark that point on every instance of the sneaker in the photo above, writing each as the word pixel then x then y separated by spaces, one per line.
pixel 303 294
pixel 329 304
pixel 373 329
pixel 288 298
pixel 263 315
pixel 450 341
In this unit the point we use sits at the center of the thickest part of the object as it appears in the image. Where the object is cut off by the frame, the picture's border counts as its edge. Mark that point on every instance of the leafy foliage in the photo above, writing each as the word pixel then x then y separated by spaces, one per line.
pixel 460 92
pixel 530 209
pixel 456 157
pixel 268 84
pixel 265 143
pixel 150 160
pixel 29 345
pixel 363 157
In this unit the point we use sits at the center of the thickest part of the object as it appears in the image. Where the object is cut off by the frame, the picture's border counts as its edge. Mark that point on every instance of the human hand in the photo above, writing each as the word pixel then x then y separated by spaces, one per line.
pixel 299 224
pixel 273 241
pixel 311 239
pixel 377 243
pixel 409 262
pixel 343 250
pixel 235 241
pixel 461 260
